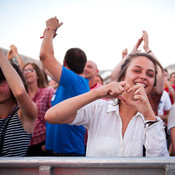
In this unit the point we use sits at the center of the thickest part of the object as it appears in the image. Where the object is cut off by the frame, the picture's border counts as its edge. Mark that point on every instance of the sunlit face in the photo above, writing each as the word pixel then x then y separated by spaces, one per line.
pixel 141 70
pixel 30 74
pixel 172 79
pixel 90 70
pixel 5 92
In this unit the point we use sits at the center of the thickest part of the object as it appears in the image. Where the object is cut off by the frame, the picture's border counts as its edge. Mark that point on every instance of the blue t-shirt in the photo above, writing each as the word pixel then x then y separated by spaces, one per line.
pixel 63 138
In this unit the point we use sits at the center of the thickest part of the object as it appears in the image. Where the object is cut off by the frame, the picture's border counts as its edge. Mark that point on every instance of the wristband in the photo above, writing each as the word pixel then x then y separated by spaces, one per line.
pixel 49 28
pixel 149 123
pixel 149 51
pixel 15 60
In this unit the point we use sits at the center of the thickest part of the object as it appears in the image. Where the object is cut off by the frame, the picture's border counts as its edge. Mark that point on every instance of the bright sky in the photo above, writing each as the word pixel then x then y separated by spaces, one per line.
pixel 101 28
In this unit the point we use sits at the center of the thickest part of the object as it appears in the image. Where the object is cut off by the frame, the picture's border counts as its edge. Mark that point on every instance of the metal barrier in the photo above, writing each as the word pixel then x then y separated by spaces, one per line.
pixel 87 166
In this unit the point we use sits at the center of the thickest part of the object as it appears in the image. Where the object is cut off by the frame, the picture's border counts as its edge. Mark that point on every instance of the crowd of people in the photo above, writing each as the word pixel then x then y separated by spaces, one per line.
pixel 76 113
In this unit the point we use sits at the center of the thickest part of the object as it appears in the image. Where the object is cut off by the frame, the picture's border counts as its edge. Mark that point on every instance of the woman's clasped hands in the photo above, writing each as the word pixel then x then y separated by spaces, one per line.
pixel 132 95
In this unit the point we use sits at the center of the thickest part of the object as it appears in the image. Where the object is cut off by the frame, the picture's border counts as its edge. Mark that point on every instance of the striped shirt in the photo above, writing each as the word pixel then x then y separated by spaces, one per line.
pixel 16 139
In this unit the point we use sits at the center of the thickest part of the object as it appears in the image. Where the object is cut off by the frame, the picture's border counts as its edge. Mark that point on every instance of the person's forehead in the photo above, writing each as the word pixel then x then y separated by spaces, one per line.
pixel 90 63
pixel 28 66
pixel 97 77
pixel 142 62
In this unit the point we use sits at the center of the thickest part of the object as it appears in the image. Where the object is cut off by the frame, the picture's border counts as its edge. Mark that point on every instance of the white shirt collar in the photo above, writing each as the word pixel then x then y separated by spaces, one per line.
pixel 113 106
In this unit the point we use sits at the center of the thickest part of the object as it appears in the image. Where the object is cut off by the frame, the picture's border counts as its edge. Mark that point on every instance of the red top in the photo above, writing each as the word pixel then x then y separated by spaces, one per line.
pixel 171 98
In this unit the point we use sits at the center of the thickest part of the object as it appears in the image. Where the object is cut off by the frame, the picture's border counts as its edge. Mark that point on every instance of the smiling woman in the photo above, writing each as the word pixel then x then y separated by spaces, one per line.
pixel 148 73
pixel 112 130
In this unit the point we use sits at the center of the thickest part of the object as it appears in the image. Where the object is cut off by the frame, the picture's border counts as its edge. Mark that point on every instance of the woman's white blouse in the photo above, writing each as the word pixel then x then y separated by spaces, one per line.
pixel 104 125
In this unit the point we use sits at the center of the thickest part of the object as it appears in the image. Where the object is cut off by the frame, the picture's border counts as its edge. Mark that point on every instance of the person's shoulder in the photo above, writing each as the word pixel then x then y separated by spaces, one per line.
pixel 165 94
pixel 49 88
pixel 171 118
pixel 171 114
pixel 84 82
pixel 66 70
pixel 173 108
pixel 66 73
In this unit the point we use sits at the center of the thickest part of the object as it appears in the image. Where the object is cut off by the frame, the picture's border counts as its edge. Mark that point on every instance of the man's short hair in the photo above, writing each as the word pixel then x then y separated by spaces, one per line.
pixel 76 60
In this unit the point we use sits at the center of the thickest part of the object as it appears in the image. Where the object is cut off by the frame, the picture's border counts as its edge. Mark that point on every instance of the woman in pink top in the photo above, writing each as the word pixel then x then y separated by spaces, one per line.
pixel 41 95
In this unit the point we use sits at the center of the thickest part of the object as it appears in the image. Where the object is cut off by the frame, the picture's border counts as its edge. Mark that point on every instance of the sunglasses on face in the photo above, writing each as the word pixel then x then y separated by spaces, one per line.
pixel 28 70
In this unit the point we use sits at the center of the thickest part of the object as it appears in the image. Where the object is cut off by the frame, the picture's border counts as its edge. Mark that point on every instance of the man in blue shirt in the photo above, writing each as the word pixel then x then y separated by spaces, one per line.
pixel 64 140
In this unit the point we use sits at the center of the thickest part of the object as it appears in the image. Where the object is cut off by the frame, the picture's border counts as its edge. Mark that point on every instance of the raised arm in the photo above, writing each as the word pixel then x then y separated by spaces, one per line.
pixel 116 70
pixel 27 107
pixel 160 80
pixel 146 44
pixel 13 54
pixel 160 75
pixel 49 62
pixel 124 53
pixel 65 111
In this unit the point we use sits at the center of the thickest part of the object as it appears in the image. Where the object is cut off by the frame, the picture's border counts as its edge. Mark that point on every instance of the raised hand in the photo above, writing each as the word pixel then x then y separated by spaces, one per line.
pixel 146 42
pixel 124 52
pixel 140 101
pixel 10 54
pixel 113 90
pixel 135 49
pixel 14 50
pixel 53 23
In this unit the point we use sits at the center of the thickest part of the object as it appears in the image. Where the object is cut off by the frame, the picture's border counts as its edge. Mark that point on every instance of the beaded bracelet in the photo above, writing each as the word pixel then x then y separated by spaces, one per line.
pixel 15 60
pixel 49 28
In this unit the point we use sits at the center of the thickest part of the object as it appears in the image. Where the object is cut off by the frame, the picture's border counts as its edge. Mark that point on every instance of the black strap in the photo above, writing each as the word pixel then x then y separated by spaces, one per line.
pixel 5 128
pixel 144 151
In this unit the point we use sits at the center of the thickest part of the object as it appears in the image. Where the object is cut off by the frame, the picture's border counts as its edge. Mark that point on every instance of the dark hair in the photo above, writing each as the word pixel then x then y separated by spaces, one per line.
pixel 45 77
pixel 165 70
pixel 76 60
pixel 41 81
pixel 98 75
pixel 15 66
pixel 126 64
pixel 172 74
